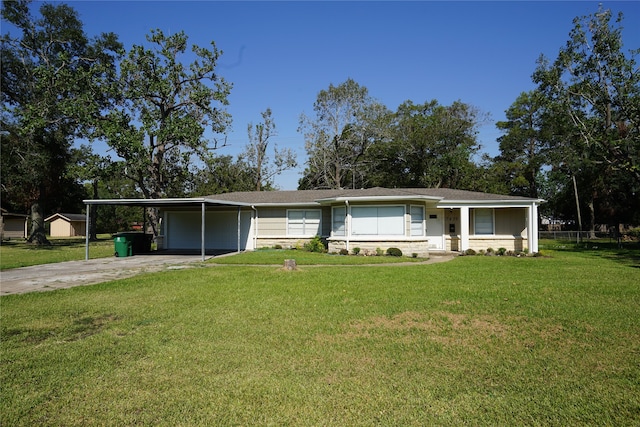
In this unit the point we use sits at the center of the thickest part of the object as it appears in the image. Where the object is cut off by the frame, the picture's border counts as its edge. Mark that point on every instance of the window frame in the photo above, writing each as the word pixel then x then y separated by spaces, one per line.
pixel 355 227
pixel 335 231
pixel 305 223
pixel 422 221
pixel 492 216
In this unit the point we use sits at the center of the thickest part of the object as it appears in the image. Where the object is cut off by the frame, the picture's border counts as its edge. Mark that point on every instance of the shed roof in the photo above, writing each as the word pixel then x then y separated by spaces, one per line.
pixel 67 216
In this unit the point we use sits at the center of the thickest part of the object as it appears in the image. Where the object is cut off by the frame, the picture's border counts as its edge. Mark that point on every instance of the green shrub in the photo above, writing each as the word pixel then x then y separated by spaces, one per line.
pixel 315 245
pixel 379 252
pixel 356 251
pixel 277 246
pixel 633 233
pixel 469 252
pixel 344 252
pixel 394 252
pixel 502 251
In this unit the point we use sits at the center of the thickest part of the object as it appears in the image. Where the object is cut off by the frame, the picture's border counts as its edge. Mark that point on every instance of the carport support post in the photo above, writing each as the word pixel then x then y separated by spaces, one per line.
pixel 239 228
pixel 464 228
pixel 86 240
pixel 202 234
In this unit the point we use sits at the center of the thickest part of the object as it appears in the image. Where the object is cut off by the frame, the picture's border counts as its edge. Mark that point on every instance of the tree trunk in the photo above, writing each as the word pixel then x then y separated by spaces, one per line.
pixel 37 236
pixel 575 192
pixel 153 221
pixel 592 219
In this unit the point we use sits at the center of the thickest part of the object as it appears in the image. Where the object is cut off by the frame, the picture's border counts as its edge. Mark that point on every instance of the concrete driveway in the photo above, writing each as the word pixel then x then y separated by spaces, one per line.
pixel 49 277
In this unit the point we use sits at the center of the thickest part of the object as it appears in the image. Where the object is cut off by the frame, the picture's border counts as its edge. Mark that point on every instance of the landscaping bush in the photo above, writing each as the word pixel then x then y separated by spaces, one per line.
pixel 469 252
pixel 344 252
pixel 633 233
pixel 315 245
pixel 379 252
pixel 356 251
pixel 394 252
pixel 502 251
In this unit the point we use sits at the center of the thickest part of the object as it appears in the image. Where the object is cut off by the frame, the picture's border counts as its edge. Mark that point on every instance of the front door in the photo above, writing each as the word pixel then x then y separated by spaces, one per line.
pixel 435 228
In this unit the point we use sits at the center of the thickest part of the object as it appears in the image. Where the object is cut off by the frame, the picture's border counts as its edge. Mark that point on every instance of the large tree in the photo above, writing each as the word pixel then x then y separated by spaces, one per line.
pixel 54 87
pixel 593 89
pixel 166 107
pixel 432 146
pixel 337 139
pixel 221 174
pixel 256 154
pixel 524 145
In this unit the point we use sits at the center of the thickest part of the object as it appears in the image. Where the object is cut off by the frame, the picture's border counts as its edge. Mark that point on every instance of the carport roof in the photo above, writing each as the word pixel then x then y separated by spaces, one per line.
pixel 159 203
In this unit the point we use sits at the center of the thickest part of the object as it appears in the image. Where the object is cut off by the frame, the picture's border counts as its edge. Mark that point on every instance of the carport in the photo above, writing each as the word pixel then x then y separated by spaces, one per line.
pixel 189 203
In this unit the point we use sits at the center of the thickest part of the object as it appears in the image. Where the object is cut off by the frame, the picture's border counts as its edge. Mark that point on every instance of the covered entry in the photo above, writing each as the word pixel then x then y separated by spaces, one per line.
pixel 435 229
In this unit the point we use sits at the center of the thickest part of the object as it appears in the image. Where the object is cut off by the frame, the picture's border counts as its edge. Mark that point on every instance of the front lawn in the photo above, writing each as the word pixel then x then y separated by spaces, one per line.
pixel 17 253
pixel 477 340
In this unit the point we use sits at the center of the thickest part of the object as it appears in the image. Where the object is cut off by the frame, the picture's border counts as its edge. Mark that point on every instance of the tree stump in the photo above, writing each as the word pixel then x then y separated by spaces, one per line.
pixel 290 264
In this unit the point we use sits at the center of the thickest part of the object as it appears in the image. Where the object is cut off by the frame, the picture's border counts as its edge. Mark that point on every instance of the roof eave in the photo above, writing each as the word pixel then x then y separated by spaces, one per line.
pixel 163 202
pixel 503 202
pixel 330 200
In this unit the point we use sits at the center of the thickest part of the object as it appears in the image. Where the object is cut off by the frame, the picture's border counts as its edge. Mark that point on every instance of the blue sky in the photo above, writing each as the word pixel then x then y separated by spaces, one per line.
pixel 281 54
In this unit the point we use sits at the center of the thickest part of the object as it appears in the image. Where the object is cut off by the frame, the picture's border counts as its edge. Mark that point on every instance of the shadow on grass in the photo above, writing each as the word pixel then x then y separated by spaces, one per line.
pixel 626 253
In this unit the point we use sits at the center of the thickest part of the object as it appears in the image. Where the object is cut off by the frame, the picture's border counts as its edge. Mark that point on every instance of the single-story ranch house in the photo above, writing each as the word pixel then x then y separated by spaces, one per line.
pixel 416 220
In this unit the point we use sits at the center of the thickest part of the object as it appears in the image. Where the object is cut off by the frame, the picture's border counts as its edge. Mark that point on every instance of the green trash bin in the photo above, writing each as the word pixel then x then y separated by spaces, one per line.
pixel 123 246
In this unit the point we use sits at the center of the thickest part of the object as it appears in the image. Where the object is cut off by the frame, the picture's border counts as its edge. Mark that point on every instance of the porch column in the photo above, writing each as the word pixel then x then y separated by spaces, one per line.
pixel 532 228
pixel 202 232
pixel 86 237
pixel 347 223
pixel 239 222
pixel 464 228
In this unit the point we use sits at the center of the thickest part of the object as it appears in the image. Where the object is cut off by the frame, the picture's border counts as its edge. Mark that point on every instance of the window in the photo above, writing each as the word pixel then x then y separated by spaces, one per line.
pixel 339 219
pixel 303 222
pixel 483 221
pixel 377 220
pixel 417 220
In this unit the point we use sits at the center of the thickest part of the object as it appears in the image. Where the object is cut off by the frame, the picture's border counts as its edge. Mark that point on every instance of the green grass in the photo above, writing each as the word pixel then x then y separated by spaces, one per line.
pixel 277 257
pixel 477 340
pixel 15 253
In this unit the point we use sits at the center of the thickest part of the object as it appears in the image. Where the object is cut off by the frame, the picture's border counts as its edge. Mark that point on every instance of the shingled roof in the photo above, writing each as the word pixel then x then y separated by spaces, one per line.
pixel 302 197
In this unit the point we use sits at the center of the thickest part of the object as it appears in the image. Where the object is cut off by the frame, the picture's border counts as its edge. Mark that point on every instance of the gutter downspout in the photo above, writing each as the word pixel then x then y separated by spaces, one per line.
pixel 255 227
pixel 347 224
pixel 239 221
